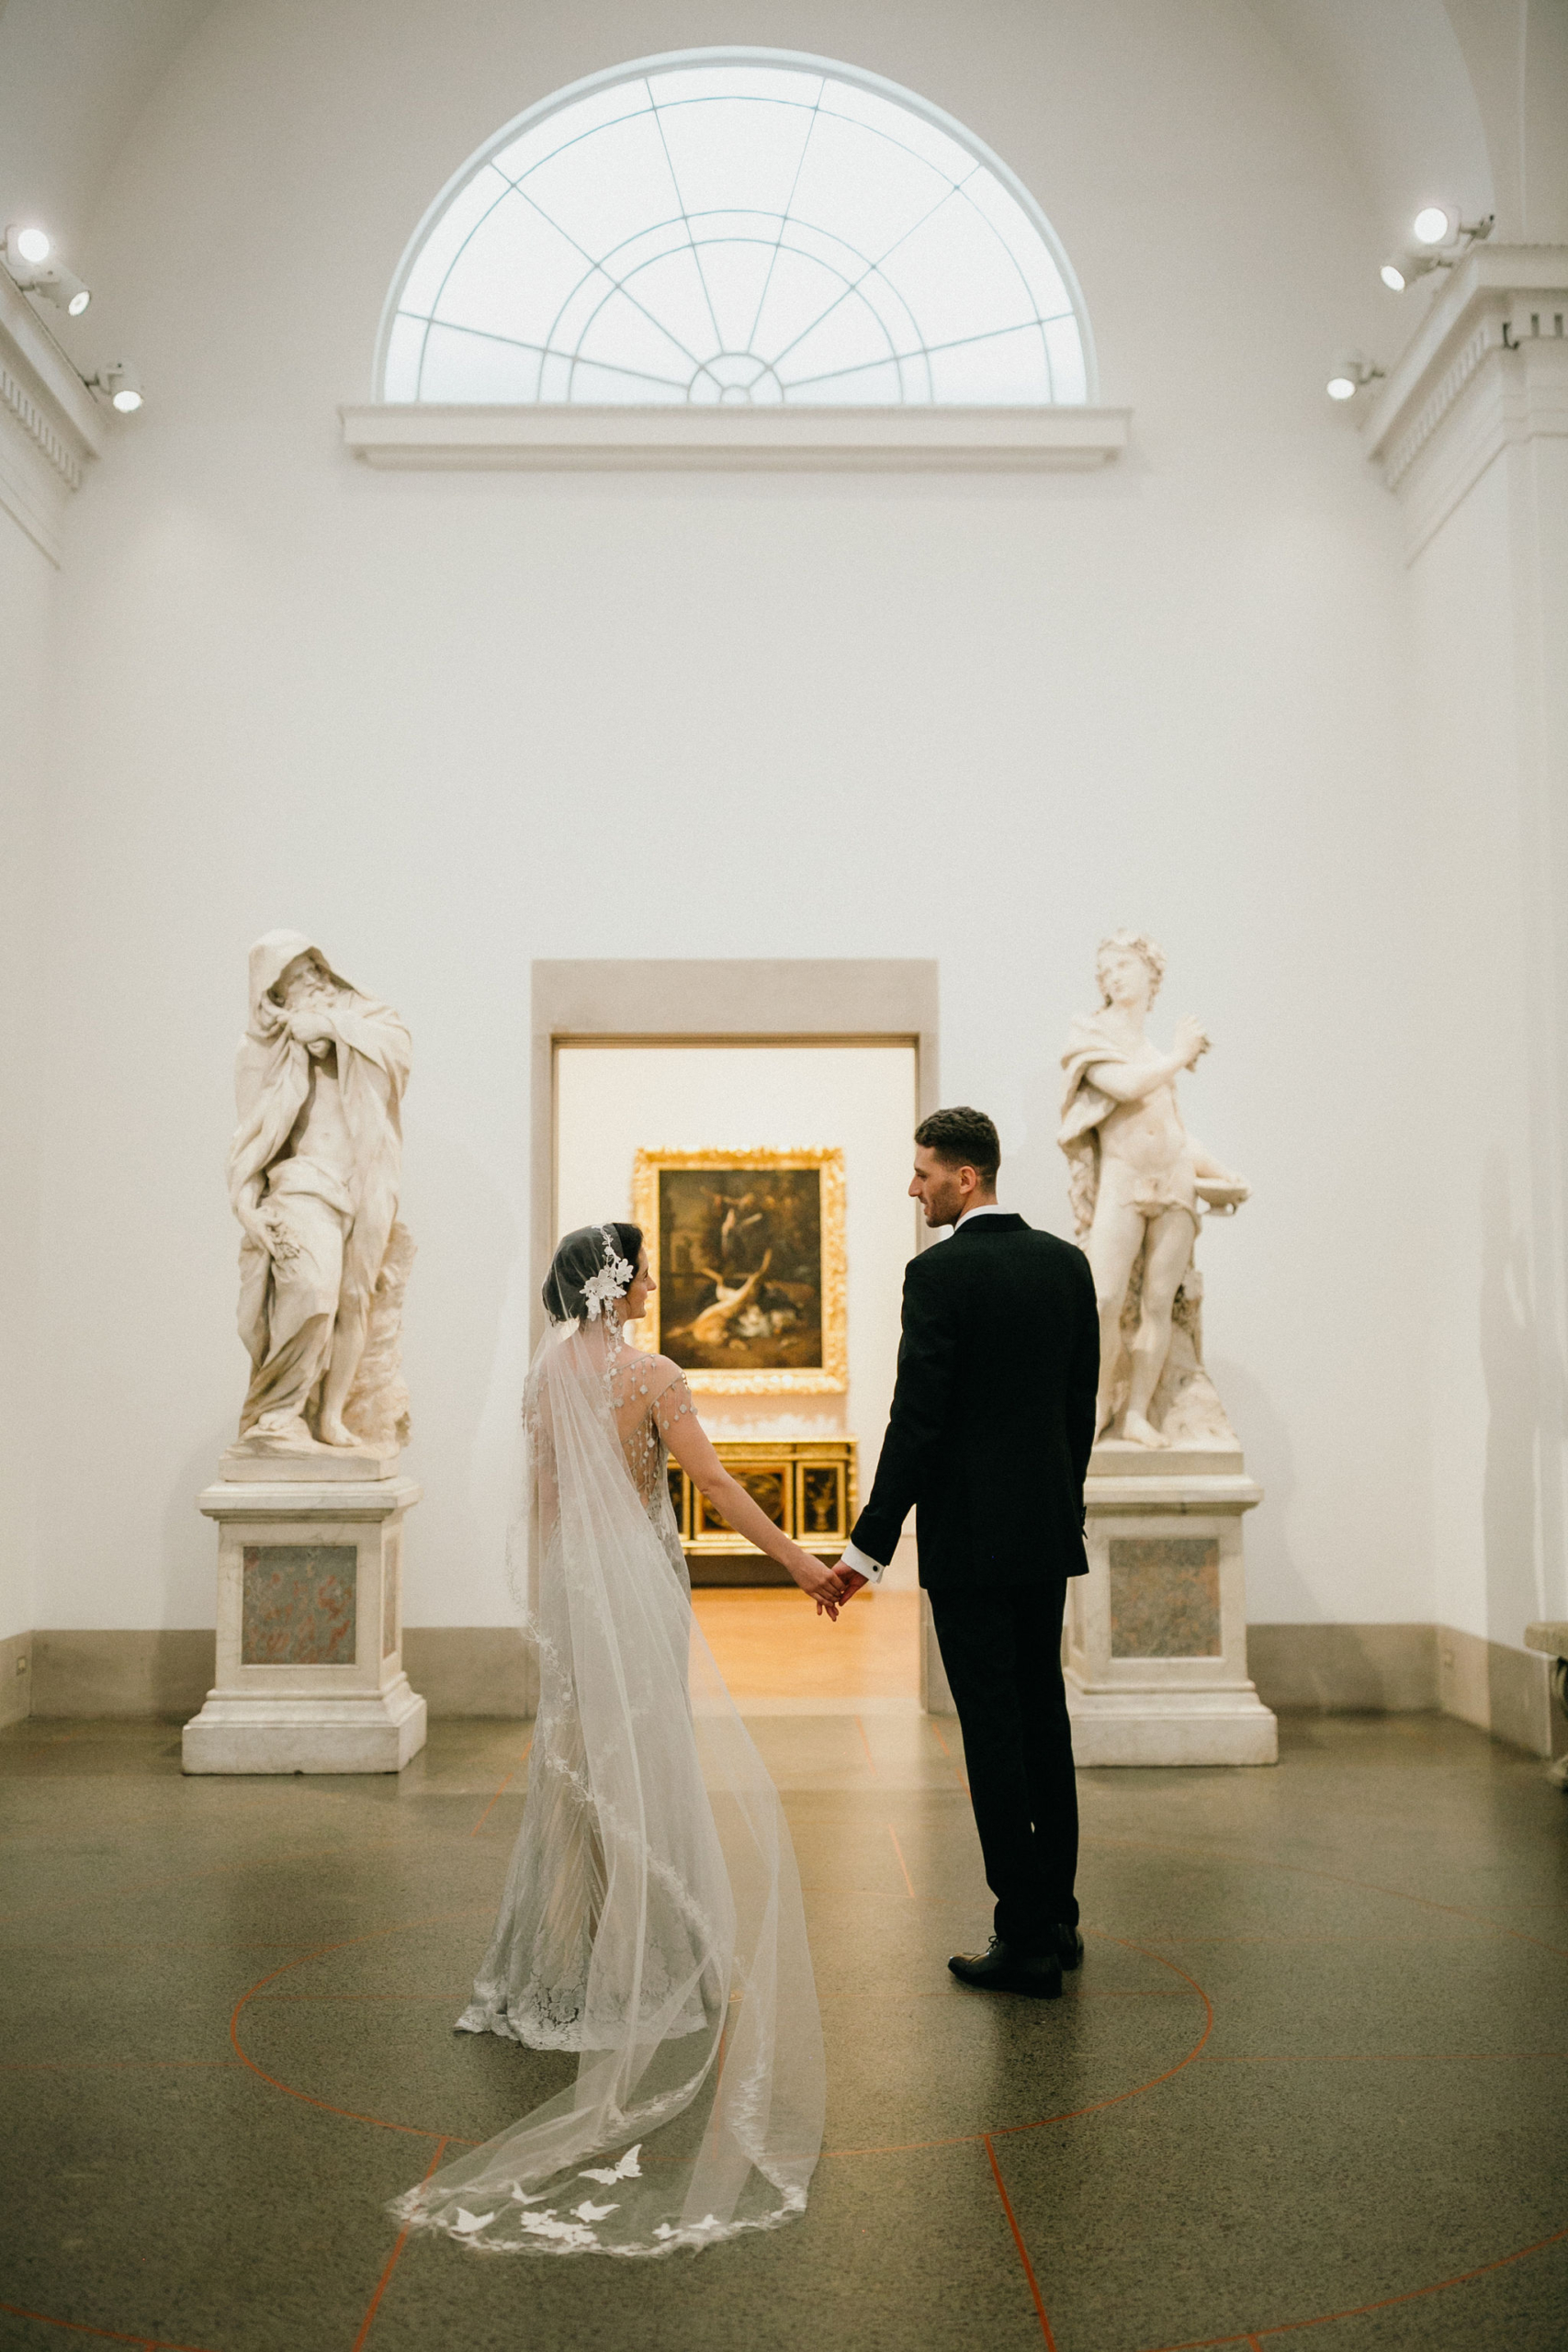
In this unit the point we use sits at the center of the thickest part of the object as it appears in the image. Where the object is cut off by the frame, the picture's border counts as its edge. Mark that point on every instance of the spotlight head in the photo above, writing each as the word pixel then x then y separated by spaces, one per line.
pixel 54 283
pixel 1349 375
pixel 120 384
pixel 28 244
pixel 1435 225
pixel 1402 270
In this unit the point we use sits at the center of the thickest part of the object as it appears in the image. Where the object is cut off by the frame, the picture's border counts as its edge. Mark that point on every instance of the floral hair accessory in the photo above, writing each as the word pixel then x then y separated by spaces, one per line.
pixel 612 1282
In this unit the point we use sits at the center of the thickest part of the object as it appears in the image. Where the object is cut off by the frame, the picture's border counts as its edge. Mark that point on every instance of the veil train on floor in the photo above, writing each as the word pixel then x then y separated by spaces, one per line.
pixel 652 1917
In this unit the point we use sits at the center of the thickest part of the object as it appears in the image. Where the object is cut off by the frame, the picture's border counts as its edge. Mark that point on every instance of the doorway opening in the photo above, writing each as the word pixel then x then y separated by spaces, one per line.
pixel 803 1453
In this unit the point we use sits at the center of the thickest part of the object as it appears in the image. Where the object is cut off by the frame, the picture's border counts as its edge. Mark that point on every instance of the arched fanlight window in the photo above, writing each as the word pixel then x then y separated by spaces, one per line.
pixel 747 228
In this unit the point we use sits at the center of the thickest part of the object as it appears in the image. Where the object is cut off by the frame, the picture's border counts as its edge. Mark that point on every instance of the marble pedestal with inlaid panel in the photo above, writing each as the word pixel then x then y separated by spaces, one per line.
pixel 1155 1636
pixel 310 1628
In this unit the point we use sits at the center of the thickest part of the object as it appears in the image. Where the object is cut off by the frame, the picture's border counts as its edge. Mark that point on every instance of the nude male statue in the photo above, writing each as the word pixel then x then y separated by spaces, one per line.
pixel 1137 1177
pixel 314 1174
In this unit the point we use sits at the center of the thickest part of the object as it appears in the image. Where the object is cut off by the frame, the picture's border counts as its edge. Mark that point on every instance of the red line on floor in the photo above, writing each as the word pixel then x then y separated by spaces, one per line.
pixel 1332 1878
pixel 502 1790
pixel 948 1753
pixel 1003 2129
pixel 1071 2114
pixel 1018 2241
pixel 351 2114
pixel 1359 2310
pixel 104 2335
pixel 381 2283
pixel 902 1864
pixel 865 1744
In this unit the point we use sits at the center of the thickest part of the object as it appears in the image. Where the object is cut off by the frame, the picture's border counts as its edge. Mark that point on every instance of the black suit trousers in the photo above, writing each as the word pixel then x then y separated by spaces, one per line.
pixel 1002 1651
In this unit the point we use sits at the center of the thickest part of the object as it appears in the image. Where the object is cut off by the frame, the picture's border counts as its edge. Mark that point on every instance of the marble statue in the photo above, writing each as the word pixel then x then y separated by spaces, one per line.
pixel 313 1177
pixel 1139 1183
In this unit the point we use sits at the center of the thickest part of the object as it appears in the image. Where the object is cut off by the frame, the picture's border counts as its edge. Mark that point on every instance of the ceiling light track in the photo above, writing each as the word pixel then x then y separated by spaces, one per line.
pixel 29 255
pixel 1441 239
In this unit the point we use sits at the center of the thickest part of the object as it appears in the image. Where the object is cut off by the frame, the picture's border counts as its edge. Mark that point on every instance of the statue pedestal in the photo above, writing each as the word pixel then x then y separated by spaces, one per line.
pixel 310 1629
pixel 1156 1631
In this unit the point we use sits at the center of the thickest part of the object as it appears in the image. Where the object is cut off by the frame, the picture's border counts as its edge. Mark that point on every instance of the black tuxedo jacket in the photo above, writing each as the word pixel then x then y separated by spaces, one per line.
pixel 993 1414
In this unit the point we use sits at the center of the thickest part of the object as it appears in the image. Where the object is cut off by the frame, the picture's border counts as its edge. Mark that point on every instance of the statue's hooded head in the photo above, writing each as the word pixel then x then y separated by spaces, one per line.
pixel 270 959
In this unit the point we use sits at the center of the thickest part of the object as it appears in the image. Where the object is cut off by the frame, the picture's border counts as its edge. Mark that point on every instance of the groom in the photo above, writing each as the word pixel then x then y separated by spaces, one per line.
pixel 990 1433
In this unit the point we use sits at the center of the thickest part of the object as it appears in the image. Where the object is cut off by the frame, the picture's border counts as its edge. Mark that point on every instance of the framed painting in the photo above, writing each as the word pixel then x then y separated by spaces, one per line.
pixel 749 1251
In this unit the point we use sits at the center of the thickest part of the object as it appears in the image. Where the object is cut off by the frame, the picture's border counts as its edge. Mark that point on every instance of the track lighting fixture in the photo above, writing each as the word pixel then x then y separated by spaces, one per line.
pixel 27 255
pixel 1402 270
pixel 120 386
pixel 1441 239
pixel 1347 376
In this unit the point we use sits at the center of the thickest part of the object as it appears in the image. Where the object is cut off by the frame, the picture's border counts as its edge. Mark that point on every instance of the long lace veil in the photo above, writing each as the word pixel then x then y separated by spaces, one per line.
pixel 652 1917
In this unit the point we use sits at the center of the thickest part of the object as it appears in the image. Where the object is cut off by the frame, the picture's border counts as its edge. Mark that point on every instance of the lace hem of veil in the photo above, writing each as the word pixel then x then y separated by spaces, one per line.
pixel 548 2233
pixel 548 2017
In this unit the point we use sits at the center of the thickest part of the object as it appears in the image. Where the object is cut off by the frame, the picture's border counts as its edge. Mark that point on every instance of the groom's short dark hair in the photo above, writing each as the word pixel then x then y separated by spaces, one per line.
pixel 963 1138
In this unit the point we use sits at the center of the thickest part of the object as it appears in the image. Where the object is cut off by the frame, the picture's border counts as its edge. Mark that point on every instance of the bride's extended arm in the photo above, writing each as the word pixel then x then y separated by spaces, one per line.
pixel 689 1444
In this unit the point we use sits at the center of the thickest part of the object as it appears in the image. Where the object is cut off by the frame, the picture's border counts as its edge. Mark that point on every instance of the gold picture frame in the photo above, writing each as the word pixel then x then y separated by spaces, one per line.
pixel 752 1268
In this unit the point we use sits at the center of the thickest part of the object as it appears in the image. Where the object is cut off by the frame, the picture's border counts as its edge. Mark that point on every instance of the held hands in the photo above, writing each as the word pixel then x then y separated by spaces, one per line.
pixel 848 1582
pixel 1191 1040
pixel 818 1583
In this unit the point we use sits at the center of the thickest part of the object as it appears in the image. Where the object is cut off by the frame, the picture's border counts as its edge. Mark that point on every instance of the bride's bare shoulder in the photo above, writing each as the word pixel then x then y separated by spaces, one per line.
pixel 650 1376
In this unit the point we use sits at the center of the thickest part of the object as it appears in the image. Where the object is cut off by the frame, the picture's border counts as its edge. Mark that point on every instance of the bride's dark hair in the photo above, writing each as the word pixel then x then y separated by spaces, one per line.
pixel 578 1257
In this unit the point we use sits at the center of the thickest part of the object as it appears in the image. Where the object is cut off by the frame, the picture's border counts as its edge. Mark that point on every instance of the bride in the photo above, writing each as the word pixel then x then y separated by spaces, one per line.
pixel 651 1919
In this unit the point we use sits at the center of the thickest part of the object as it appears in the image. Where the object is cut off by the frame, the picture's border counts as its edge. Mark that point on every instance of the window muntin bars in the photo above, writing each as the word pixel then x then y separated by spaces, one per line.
pixel 736 233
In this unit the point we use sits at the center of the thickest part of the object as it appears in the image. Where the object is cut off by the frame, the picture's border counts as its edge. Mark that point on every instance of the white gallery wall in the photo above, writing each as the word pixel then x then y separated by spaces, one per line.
pixel 451 723
pixel 27 587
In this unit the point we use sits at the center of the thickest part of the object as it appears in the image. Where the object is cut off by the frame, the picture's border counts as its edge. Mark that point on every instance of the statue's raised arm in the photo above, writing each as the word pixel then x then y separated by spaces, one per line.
pixel 1136 1179
pixel 314 1174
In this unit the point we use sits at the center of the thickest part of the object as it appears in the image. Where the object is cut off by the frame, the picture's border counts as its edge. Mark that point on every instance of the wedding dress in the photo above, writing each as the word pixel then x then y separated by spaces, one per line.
pixel 651 1920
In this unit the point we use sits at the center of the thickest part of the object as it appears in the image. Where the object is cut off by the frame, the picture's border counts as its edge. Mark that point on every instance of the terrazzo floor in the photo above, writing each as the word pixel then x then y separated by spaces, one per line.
pixel 1310 2080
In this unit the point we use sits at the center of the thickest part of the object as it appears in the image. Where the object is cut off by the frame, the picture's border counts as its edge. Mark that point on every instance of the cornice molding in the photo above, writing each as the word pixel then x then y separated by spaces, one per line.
pixel 1487 367
pixel 956 440
pixel 50 429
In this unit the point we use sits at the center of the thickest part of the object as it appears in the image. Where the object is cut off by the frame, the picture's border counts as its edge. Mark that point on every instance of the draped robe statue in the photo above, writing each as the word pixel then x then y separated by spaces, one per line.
pixel 1139 1182
pixel 314 1173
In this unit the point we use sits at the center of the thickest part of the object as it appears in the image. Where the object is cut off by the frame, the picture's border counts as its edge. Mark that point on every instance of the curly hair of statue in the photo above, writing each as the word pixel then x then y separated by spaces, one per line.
pixel 1130 943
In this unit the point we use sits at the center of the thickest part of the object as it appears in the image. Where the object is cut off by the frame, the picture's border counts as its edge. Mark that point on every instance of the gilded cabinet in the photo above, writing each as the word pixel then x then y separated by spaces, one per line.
pixel 807 1485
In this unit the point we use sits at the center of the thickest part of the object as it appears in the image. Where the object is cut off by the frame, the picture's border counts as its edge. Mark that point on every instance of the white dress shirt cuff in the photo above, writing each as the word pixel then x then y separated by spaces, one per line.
pixel 872 1570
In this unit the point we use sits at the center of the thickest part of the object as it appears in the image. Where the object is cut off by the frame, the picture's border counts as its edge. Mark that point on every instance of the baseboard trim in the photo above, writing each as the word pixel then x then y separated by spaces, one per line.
pixel 1345 1670
pixel 488 1670
pixel 471 1669
pixel 457 1669
pixel 16 1679
pixel 1501 1689
pixel 164 1674
pixel 1409 1669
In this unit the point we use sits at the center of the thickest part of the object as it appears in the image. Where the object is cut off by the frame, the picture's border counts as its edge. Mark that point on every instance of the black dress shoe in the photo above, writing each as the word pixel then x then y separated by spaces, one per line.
pixel 1069 1945
pixel 1003 1969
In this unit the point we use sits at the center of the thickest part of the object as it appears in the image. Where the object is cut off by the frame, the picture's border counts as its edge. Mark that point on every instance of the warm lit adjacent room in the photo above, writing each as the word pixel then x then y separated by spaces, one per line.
pixel 783 1246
